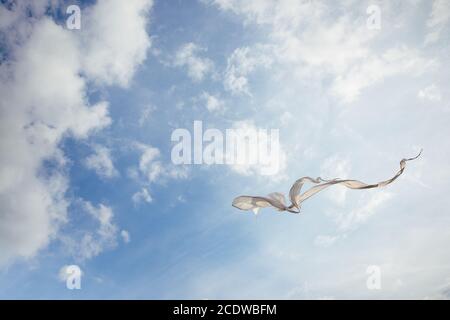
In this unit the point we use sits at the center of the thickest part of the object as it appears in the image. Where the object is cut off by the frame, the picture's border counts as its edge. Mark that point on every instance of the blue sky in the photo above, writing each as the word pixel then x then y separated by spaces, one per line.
pixel 86 173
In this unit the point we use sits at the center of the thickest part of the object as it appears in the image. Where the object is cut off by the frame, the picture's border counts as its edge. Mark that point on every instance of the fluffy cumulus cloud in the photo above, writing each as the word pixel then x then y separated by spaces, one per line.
pixel 125 236
pixel 152 169
pixel 212 103
pixel 149 164
pixel 100 161
pixel 115 40
pixel 189 56
pixel 44 82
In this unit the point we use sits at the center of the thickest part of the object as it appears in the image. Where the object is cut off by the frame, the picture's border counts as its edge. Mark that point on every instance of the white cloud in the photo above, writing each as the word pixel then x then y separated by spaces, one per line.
pixel 188 56
pixel 114 39
pixel 36 117
pixel 240 64
pixel 306 40
pixel 439 18
pixel 141 196
pixel 212 103
pixel 100 161
pixel 62 274
pixel 395 61
pixel 153 170
pixel 125 236
pixel 377 132
pixel 149 166
pixel 431 93
pixel 356 217
pixel 330 47
pixel 145 114
pixel 325 240
pixel 34 120
pixel 90 242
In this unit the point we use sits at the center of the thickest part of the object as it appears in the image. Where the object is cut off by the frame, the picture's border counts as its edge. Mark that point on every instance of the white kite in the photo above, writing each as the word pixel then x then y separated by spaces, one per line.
pixel 277 200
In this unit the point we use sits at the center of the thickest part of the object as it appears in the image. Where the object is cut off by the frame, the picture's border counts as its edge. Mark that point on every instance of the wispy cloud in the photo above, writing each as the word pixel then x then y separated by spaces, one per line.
pixel 431 93
pixel 437 21
pixel 89 242
pixel 142 196
pixel 242 62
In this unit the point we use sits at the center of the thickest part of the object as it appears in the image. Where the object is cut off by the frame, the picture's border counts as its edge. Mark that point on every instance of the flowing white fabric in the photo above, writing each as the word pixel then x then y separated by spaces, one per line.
pixel 277 200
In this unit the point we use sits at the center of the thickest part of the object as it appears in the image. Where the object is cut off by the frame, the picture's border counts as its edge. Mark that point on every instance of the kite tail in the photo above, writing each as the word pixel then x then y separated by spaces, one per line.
pixel 277 200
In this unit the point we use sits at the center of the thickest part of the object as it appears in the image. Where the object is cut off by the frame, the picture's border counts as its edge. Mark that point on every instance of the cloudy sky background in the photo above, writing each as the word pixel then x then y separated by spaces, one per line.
pixel 86 176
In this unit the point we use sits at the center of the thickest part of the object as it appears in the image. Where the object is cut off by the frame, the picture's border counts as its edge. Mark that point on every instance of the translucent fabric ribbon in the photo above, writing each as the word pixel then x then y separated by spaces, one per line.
pixel 277 200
